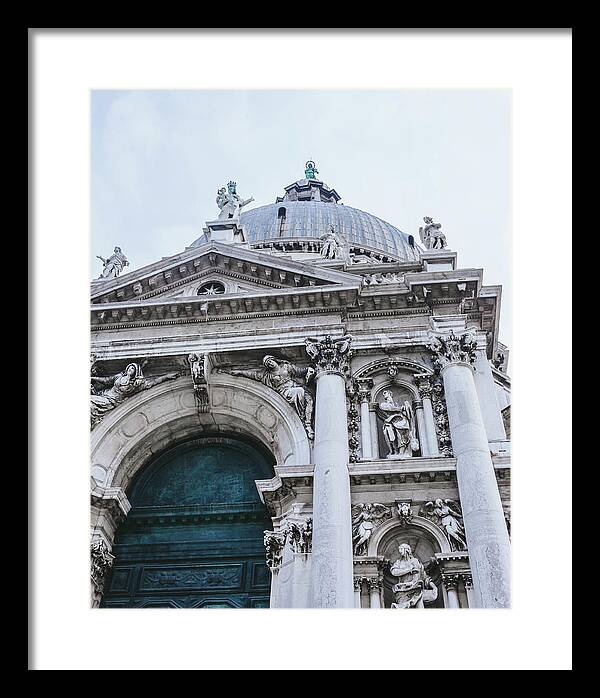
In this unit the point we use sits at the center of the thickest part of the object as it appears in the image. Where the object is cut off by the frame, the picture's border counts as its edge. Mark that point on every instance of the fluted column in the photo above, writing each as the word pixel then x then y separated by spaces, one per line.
pixel 429 431
pixel 332 561
pixel 483 517
pixel 364 397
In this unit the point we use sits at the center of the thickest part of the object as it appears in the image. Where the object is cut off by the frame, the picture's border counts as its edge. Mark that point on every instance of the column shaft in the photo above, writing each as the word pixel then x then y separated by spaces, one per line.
pixel 488 401
pixel 332 555
pixel 421 428
pixel 365 430
pixel 430 430
pixel 487 538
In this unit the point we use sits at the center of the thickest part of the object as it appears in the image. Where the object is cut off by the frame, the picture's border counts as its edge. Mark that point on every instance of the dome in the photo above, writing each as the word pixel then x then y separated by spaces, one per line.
pixel 310 208
pixel 312 219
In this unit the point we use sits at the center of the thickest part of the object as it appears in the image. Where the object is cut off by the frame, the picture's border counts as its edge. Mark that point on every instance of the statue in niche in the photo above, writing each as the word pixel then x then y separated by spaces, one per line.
pixel 114 265
pixel 399 428
pixel 365 520
pixel 311 170
pixel 449 519
pixel 290 381
pixel 113 390
pixel 415 586
pixel 431 235
pixel 230 202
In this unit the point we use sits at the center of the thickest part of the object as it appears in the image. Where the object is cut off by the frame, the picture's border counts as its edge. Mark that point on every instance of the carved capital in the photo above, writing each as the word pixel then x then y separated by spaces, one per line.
pixel 274 543
pixel 101 561
pixel 452 349
pixel 451 581
pixel 373 584
pixel 424 386
pixel 330 355
pixel 363 389
pixel 299 535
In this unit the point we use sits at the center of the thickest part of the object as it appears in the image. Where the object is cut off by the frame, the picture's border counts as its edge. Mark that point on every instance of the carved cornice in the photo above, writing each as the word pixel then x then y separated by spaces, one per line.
pixel 330 355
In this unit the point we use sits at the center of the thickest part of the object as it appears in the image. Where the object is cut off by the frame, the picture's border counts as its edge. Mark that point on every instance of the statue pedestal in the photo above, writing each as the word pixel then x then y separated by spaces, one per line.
pixel 439 260
pixel 398 456
pixel 228 231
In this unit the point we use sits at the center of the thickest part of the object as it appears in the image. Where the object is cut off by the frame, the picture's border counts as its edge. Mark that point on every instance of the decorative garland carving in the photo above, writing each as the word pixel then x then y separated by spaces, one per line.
pixel 101 562
pixel 441 418
pixel 199 373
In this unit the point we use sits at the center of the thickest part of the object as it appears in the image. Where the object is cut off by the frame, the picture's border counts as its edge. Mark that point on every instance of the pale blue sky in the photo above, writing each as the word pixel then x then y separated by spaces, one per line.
pixel 158 158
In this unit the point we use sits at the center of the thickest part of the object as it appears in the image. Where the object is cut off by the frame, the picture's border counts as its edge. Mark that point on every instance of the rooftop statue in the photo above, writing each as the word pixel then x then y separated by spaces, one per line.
pixel 230 202
pixel 311 170
pixel 113 266
pixel 431 235
pixel 331 244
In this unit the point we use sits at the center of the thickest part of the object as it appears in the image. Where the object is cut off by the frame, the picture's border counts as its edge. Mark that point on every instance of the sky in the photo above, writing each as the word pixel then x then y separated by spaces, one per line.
pixel 158 158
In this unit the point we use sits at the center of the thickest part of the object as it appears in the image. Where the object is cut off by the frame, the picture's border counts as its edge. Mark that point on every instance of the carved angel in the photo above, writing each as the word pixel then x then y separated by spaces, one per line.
pixel 450 519
pixel 364 523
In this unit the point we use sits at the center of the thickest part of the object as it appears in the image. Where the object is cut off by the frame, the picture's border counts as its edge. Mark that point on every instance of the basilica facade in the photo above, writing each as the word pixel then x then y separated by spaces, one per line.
pixel 304 408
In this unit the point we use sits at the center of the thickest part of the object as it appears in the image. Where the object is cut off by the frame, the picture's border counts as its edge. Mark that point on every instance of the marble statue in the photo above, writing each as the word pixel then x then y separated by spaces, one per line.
pixel 431 235
pixel 449 519
pixel 364 522
pixel 331 244
pixel 399 428
pixel 290 382
pixel 116 389
pixel 311 170
pixel 197 364
pixel 114 265
pixel 414 586
pixel 230 202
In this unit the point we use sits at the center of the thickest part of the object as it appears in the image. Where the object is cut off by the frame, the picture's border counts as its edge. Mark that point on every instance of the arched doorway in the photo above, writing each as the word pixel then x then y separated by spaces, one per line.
pixel 194 535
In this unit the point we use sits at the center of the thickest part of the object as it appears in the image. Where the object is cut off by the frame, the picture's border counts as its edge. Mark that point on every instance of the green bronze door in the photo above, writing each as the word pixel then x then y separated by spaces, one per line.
pixel 194 535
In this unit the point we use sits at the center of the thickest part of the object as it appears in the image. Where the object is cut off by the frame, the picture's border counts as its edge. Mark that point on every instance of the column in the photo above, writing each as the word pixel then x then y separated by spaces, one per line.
pixel 357 591
pixel 451 585
pixel 429 430
pixel 374 586
pixel 483 517
pixel 374 434
pixel 423 441
pixel 332 555
pixel 469 590
pixel 364 396
pixel 486 393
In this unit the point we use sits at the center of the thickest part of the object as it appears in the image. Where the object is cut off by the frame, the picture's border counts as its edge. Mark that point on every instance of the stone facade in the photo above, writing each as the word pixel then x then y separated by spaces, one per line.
pixel 370 376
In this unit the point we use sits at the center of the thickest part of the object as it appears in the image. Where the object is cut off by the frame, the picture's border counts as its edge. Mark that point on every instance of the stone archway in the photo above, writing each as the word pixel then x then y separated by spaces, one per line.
pixel 129 438
pixel 152 420
pixel 426 541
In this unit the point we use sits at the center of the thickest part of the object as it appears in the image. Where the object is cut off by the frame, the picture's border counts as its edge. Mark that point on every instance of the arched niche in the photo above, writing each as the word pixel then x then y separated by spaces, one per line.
pixel 425 540
pixel 402 391
pixel 155 419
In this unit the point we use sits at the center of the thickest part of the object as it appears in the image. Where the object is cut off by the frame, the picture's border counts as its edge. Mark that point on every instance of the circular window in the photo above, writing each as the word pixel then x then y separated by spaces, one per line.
pixel 212 288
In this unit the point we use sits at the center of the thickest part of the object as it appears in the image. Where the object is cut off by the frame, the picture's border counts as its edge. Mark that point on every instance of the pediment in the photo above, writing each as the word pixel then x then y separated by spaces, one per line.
pixel 237 269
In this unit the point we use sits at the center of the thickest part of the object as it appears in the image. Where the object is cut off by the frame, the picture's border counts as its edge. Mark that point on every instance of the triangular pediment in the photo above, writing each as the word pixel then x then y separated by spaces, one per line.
pixel 229 269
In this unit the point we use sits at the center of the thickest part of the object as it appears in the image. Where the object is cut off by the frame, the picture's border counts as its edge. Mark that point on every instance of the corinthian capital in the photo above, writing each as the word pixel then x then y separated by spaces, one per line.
pixel 450 348
pixel 330 355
